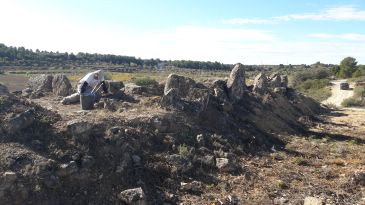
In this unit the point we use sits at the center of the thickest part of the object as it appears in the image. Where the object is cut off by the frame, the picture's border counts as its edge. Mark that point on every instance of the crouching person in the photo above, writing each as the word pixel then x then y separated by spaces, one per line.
pixel 90 83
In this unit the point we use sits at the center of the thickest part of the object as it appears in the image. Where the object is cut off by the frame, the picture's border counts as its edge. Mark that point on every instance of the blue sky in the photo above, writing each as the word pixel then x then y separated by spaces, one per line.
pixel 250 32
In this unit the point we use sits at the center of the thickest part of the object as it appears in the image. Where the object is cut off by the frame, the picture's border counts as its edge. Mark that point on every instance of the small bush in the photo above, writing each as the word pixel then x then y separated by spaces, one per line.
pixel 184 150
pixel 145 81
pixel 279 184
pixel 353 102
pixel 107 76
pixel 301 161
pixel 359 91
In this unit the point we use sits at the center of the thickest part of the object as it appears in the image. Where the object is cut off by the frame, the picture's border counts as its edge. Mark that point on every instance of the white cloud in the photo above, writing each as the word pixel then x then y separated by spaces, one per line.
pixel 345 36
pixel 342 13
pixel 238 21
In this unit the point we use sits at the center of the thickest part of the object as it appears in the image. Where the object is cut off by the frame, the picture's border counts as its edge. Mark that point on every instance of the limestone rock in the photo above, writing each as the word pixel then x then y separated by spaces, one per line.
pixel 134 89
pixel 284 81
pixel 194 186
pixel 225 165
pixel 280 90
pixel 79 130
pixel 260 84
pixel 275 80
pixel 41 82
pixel 114 86
pixel 180 163
pixel 180 83
pixel 222 162
pixel 21 121
pixel 9 177
pixel 3 90
pixel 172 99
pixel 109 104
pixel 236 83
pixel 359 178
pixel 67 169
pixel 312 201
pixel 61 86
pixel 27 92
pixel 133 196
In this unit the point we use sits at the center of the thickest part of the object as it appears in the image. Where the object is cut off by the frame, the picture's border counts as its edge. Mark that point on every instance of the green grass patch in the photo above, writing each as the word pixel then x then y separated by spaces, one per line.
pixel 145 81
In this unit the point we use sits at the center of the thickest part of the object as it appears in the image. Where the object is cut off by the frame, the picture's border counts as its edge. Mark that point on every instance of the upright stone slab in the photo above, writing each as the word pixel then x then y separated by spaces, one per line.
pixel 181 83
pixel 260 84
pixel 41 83
pixel 61 86
pixel 236 83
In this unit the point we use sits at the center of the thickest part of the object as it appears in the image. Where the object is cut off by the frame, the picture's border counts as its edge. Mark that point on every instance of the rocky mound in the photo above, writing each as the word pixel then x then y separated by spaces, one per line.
pixel 192 133
pixel 40 85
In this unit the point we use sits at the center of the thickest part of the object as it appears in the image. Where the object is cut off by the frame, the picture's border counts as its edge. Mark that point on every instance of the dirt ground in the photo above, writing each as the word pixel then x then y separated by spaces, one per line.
pixel 319 164
pixel 14 82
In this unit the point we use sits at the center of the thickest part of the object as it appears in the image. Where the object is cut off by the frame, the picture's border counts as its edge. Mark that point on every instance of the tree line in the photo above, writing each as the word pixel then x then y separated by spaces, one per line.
pixel 20 56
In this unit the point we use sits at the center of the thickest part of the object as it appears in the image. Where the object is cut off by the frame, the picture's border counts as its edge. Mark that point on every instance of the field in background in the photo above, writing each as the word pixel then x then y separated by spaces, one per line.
pixel 16 81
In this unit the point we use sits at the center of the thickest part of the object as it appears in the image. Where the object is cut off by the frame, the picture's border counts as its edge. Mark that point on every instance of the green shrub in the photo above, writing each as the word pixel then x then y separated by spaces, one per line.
pixel 184 150
pixel 300 161
pixel 145 81
pixel 353 102
pixel 107 76
pixel 315 88
pixel 359 91
pixel 317 74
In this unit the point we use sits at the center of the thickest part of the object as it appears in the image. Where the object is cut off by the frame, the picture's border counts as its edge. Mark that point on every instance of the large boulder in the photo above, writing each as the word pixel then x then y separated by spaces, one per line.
pixel 275 80
pixel 220 90
pixel 171 99
pixel 133 89
pixel 3 90
pixel 79 130
pixel 41 82
pixel 180 83
pixel 61 86
pixel 284 81
pixel 133 196
pixel 114 86
pixel 21 121
pixel 27 92
pixel 260 84
pixel 236 83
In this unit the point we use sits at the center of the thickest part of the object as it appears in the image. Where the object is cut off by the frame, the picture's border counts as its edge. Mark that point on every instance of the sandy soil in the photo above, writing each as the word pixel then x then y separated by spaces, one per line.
pixel 339 95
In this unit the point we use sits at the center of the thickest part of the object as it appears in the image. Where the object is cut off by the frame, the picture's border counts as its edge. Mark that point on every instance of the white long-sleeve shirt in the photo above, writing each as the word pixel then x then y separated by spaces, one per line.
pixel 90 79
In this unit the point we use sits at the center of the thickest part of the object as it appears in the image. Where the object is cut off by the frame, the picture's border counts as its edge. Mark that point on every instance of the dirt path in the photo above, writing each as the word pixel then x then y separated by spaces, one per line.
pixel 339 95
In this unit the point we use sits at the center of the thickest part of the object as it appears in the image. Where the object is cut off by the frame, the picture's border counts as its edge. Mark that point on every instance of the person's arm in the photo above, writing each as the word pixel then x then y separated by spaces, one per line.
pixel 105 87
